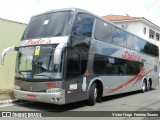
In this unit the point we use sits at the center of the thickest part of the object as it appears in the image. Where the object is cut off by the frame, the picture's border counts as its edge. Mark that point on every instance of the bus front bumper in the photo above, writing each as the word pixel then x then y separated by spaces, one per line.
pixel 54 98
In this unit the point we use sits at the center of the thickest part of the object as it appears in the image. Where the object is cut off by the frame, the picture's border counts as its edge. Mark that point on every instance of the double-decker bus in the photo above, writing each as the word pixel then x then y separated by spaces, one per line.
pixel 71 55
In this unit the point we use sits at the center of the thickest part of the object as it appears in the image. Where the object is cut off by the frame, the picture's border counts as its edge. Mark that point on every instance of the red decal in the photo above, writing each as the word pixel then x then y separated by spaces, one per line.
pixel 39 41
pixel 51 84
pixel 137 77
pixel 131 56
pixel 146 73
pixel 124 84
pixel 48 42
pixel 86 73
pixel 140 76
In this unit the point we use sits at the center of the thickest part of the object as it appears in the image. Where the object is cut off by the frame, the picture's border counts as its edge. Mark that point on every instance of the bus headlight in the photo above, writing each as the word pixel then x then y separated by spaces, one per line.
pixel 17 88
pixel 54 90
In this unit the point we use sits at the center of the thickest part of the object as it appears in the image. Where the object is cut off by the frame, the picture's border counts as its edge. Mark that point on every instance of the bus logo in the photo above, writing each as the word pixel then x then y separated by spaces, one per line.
pixel 130 56
pixel 39 41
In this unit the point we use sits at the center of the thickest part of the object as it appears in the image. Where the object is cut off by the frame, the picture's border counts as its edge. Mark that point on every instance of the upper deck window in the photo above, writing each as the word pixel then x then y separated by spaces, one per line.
pixel 82 26
pixel 48 25
pixel 104 31
pixel 108 33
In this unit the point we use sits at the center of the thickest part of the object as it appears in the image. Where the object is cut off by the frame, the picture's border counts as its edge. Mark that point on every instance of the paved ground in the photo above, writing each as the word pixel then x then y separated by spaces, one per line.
pixel 134 101
pixel 6 96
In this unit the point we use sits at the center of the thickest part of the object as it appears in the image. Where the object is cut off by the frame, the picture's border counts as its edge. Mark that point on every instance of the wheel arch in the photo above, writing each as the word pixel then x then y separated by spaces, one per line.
pixel 99 84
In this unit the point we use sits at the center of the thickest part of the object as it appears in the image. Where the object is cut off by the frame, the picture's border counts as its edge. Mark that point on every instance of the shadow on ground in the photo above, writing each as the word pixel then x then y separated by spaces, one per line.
pixel 37 106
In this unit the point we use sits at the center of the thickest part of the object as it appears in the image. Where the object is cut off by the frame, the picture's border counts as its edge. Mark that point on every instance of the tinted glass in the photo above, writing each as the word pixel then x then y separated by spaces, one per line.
pixel 130 41
pixel 36 62
pixel 139 43
pixel 76 62
pixel 82 26
pixel 107 65
pixel 151 49
pixel 146 47
pixel 82 30
pixel 119 37
pixel 73 65
pixel 48 25
pixel 111 34
pixel 104 31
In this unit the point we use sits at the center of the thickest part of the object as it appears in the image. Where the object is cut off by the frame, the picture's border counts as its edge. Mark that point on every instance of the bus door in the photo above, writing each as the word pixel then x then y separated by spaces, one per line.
pixel 77 57
pixel 76 84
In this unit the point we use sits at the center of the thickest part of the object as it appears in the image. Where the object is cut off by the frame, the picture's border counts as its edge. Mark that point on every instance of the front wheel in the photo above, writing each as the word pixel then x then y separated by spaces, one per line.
pixel 92 95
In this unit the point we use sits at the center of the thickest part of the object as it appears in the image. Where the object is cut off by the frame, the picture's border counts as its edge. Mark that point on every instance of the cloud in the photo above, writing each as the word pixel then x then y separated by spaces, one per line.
pixel 152 11
pixel 17 10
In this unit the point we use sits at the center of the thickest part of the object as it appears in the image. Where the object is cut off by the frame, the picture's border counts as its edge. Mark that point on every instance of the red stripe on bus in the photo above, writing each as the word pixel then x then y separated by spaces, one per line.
pixel 141 73
pixel 86 73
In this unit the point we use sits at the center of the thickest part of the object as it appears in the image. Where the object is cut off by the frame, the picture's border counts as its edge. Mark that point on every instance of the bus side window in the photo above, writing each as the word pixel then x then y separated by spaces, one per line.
pixel 73 65
pixel 103 31
pixel 103 65
pixel 76 63
pixel 130 41
pixel 119 37
pixel 82 26
pixel 82 30
pixel 99 64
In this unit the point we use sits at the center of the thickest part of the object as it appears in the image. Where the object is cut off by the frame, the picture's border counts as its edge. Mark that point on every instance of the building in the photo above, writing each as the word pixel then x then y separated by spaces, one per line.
pixel 10 34
pixel 137 25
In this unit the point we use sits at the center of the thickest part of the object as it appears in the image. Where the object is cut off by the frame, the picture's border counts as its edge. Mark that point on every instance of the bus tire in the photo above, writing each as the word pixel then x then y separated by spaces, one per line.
pixel 144 86
pixel 99 99
pixel 92 95
pixel 149 85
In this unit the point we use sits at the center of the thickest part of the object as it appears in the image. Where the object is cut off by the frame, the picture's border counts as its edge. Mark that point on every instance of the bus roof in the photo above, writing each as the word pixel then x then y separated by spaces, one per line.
pixel 76 10
pixel 65 9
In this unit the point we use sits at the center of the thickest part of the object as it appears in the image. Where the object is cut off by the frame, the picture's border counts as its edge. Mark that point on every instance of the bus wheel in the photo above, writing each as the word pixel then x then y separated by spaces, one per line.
pixel 92 95
pixel 144 86
pixel 149 85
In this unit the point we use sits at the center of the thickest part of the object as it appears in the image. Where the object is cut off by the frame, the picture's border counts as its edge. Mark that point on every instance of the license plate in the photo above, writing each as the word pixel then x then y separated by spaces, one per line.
pixel 31 97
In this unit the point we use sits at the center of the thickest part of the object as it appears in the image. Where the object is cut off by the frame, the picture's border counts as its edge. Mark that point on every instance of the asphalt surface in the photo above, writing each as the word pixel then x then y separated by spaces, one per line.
pixel 134 101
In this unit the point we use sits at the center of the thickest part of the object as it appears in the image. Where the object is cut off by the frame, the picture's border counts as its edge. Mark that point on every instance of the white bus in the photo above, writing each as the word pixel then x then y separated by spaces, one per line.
pixel 71 55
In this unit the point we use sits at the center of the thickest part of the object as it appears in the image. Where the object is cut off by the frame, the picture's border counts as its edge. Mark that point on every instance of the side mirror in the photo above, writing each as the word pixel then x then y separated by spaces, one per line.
pixel 58 53
pixel 12 48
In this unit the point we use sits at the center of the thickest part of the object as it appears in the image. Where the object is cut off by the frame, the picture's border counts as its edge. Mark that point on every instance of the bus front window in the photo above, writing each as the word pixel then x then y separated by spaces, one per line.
pixel 48 25
pixel 38 63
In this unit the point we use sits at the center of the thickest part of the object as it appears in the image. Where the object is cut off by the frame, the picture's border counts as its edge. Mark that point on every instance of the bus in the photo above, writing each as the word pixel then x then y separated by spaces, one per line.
pixel 72 55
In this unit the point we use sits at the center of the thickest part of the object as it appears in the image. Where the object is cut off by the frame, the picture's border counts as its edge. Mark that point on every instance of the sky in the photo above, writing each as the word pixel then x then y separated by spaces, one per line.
pixel 22 10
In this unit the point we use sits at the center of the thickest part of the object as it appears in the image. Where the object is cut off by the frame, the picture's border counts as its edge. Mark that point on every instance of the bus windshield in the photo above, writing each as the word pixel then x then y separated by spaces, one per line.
pixel 37 62
pixel 48 25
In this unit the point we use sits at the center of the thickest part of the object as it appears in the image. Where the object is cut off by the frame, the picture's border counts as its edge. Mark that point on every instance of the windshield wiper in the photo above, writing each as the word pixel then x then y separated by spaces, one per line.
pixel 44 76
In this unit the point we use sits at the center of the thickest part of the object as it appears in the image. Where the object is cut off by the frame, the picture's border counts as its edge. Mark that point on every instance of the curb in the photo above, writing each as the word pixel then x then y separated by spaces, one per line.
pixel 8 101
